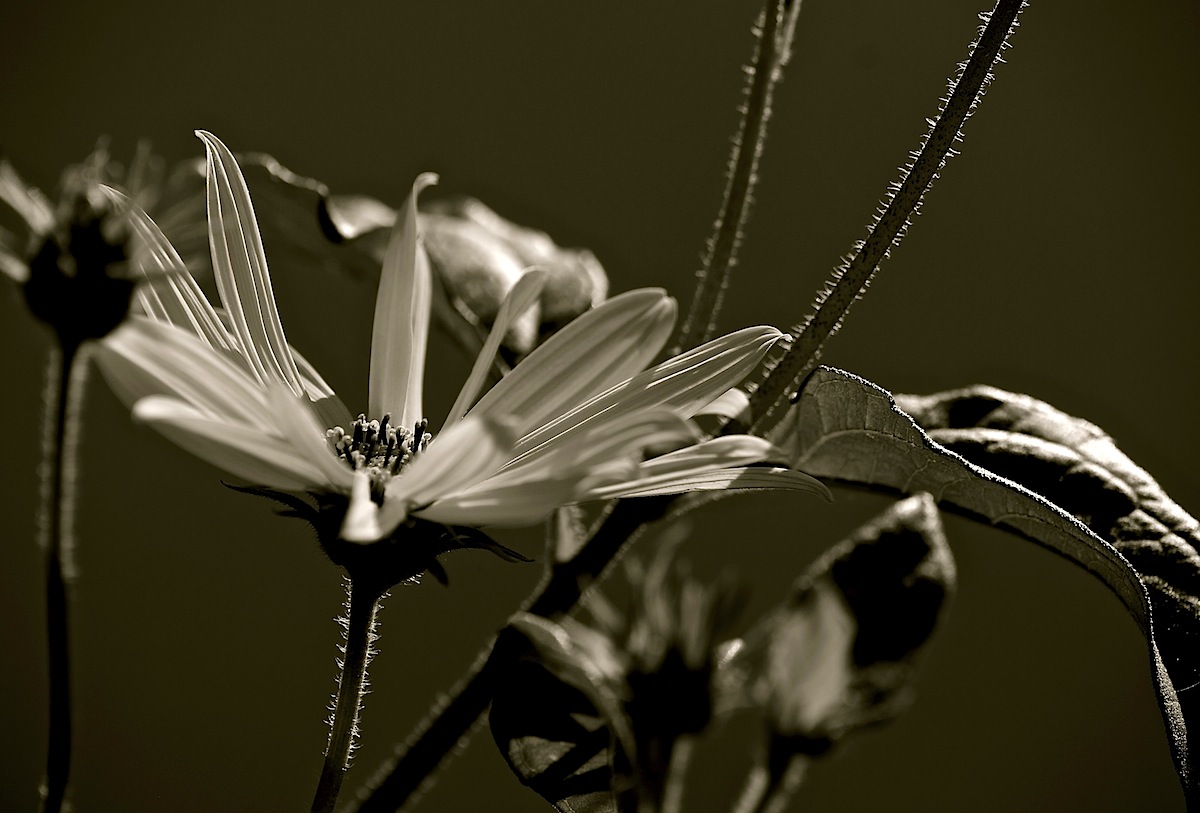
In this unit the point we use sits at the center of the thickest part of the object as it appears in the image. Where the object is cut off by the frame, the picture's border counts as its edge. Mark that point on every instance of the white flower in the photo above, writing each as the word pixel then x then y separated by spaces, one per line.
pixel 572 422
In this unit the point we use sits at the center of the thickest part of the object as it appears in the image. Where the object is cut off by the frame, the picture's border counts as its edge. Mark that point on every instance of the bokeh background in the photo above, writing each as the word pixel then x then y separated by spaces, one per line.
pixel 1055 257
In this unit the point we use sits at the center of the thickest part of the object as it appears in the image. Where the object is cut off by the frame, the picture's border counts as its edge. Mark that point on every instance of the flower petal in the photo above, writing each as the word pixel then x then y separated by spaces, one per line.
pixel 730 479
pixel 522 295
pixel 247 452
pixel 240 269
pixel 684 383
pixel 297 424
pixel 170 294
pixel 587 451
pixel 154 358
pixel 602 347
pixel 26 201
pixel 12 266
pixel 402 311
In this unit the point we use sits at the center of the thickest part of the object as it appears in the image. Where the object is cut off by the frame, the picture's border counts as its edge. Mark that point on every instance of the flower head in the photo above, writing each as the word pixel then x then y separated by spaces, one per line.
pixel 73 269
pixel 574 421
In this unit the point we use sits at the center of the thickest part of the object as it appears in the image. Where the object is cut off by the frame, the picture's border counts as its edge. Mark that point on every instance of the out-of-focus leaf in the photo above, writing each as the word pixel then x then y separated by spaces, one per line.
pixel 839 654
pixel 478 256
pixel 557 719
pixel 845 429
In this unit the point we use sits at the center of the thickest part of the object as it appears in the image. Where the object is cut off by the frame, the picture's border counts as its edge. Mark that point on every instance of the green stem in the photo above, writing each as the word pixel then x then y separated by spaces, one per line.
pixel 903 200
pixel 774 47
pixel 362 605
pixel 65 381
pixel 401 778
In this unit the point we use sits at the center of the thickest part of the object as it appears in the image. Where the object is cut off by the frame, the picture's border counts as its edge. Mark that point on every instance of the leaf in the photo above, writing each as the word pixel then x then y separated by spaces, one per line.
pixel 839 654
pixel 848 430
pixel 557 719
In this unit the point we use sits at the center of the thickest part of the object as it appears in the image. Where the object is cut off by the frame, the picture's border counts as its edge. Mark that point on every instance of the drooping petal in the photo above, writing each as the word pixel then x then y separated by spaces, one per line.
pixel 684 383
pixel 523 294
pixel 240 269
pixel 258 456
pixel 298 426
pixel 144 358
pixel 600 348
pixel 402 312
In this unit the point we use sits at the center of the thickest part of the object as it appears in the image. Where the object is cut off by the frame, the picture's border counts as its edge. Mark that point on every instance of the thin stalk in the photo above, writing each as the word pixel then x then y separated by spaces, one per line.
pixel 776 27
pixel 768 791
pixel 681 757
pixel 65 382
pixel 903 200
pixel 402 778
pixel 362 605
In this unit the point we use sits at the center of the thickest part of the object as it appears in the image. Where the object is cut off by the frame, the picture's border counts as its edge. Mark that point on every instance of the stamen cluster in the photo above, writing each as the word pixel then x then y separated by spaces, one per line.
pixel 379 447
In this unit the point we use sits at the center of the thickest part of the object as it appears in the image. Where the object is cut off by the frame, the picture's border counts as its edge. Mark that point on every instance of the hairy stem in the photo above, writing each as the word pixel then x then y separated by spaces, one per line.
pixel 415 763
pixel 362 605
pixel 775 29
pixel 65 381
pixel 903 200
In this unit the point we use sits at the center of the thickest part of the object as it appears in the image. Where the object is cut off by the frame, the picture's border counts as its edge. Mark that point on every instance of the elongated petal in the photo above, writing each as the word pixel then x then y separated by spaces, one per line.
pixel 582 454
pixel 684 383
pixel 329 407
pixel 12 266
pixel 523 294
pixel 402 311
pixel 253 454
pixel 170 294
pixel 240 269
pixel 731 479
pixel 730 405
pixel 602 347
pixel 507 507
pixel 294 420
pixel 143 358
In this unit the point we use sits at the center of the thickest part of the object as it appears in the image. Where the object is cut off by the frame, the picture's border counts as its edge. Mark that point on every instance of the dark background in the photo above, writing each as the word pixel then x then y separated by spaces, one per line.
pixel 1055 257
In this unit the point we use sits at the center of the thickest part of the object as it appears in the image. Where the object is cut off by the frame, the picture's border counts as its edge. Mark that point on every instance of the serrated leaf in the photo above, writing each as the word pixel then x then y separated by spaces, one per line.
pixel 846 429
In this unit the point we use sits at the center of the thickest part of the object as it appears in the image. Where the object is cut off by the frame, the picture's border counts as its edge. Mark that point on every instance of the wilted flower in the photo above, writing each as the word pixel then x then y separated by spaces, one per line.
pixel 570 423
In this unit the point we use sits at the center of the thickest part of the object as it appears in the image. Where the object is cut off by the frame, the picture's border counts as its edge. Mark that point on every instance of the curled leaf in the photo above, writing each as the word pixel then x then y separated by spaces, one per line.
pixel 839 654
pixel 845 429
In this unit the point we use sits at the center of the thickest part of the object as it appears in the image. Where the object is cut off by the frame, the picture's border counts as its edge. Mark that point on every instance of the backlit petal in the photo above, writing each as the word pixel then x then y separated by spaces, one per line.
pixel 402 311
pixel 361 523
pixel 153 358
pixel 240 269
pixel 684 383
pixel 602 347
pixel 730 479
pixel 295 421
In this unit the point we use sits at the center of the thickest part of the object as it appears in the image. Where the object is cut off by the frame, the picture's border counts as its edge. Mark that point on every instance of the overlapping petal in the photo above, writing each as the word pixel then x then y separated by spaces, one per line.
pixel 602 347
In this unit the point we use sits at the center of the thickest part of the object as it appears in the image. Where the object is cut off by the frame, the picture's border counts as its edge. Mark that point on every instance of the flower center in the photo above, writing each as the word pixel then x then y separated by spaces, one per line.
pixel 378 447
